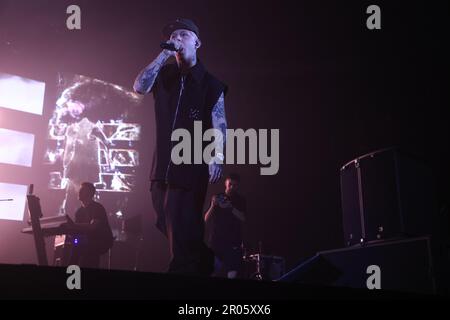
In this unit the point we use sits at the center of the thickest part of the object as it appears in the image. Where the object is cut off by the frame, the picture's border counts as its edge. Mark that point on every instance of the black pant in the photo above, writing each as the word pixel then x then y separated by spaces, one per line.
pixel 230 258
pixel 180 217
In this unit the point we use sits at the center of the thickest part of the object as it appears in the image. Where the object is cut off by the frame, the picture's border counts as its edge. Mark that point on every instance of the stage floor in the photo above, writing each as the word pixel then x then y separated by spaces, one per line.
pixel 36 282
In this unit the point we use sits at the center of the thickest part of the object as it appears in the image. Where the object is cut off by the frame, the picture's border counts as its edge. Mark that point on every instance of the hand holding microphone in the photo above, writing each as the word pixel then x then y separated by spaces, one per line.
pixel 171 47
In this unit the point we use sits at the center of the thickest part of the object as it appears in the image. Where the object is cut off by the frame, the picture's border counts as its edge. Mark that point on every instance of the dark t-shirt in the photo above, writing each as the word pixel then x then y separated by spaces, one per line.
pixel 180 108
pixel 224 228
pixel 100 239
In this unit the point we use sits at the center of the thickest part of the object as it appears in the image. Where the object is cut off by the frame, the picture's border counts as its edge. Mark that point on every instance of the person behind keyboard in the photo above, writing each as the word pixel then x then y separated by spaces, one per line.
pixel 92 235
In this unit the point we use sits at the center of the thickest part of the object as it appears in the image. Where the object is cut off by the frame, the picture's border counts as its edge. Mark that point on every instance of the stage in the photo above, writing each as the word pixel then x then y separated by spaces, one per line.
pixel 36 282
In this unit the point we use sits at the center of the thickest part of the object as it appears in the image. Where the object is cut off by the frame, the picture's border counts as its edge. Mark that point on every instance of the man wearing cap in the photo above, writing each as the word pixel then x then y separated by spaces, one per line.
pixel 184 92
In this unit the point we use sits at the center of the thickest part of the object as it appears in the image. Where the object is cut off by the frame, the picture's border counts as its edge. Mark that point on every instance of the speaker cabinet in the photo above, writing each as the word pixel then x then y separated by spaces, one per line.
pixel 404 265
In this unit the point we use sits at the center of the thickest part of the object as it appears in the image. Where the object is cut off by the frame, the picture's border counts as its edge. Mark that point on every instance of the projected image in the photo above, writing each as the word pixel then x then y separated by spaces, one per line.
pixel 92 136
pixel 123 158
pixel 16 147
pixel 117 182
pixel 12 201
pixel 121 131
pixel 21 94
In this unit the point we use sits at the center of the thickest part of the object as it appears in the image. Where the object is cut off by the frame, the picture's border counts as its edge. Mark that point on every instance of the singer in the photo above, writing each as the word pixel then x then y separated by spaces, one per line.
pixel 184 92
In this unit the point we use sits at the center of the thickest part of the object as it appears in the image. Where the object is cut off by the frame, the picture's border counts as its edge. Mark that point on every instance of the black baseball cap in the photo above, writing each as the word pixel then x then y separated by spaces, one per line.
pixel 180 24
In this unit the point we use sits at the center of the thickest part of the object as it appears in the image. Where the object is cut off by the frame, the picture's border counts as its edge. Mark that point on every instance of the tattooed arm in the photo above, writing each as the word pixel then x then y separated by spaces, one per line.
pixel 145 80
pixel 219 122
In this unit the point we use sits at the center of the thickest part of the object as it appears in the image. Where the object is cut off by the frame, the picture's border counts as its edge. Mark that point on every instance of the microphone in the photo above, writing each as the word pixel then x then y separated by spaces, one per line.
pixel 168 46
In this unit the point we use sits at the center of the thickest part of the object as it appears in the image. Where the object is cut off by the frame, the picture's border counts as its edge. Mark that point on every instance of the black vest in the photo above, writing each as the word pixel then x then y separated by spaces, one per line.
pixel 200 93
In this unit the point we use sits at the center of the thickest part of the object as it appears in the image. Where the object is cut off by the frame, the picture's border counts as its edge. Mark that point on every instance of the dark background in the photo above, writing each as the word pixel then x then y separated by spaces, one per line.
pixel 312 69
